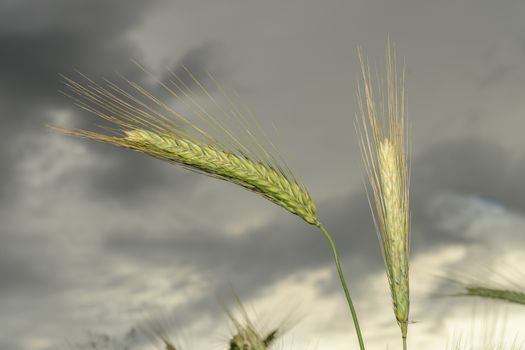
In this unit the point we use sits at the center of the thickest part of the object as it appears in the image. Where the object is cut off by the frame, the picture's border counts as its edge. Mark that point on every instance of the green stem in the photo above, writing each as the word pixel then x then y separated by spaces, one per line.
pixel 404 331
pixel 345 287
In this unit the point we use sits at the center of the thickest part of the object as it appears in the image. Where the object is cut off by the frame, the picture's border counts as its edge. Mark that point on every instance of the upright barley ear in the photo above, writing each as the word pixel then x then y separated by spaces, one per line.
pixel 383 143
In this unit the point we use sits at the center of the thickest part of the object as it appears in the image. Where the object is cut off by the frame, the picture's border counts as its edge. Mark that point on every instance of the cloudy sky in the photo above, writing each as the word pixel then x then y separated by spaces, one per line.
pixel 95 239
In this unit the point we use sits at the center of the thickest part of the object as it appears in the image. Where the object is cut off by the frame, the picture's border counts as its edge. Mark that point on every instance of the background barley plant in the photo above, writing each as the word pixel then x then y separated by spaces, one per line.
pixel 505 283
pixel 91 235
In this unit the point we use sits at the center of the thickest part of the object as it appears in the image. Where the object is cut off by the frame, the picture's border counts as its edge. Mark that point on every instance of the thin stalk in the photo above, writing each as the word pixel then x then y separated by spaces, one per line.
pixel 345 287
pixel 404 342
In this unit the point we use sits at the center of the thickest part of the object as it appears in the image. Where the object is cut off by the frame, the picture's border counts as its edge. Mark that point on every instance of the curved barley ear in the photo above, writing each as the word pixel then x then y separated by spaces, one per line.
pixel 381 126
pixel 142 122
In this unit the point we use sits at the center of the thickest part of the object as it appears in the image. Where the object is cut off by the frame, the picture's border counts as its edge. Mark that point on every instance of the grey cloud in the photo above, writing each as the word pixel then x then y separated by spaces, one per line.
pixel 200 61
pixel 261 258
pixel 129 175
pixel 40 40
pixel 15 273
pixel 472 166
pixel 64 40
pixel 91 38
pixel 26 270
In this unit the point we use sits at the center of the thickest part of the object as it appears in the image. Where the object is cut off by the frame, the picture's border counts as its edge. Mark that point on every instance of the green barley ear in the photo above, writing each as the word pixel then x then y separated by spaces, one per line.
pixel 211 160
pixel 383 142
pixel 144 123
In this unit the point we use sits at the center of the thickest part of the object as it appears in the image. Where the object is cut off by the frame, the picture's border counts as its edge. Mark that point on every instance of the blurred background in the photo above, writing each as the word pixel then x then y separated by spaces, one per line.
pixel 95 239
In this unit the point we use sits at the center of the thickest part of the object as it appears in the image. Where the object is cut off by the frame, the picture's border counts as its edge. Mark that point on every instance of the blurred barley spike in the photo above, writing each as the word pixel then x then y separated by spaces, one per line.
pixel 511 296
pixel 381 126
pixel 506 283
pixel 157 330
pixel 247 338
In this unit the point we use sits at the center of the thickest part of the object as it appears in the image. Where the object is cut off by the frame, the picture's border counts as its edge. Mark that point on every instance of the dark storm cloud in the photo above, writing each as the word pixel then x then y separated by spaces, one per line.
pixel 39 40
pixel 52 38
pixel 468 167
pixel 198 61
pixel 16 273
pixel 20 273
pixel 472 166
pixel 130 175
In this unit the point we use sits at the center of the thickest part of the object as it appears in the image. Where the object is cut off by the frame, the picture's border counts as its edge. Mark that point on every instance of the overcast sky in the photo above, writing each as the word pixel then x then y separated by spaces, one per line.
pixel 95 238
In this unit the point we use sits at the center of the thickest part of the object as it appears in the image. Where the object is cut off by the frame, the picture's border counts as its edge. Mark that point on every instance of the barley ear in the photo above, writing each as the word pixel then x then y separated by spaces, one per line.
pixel 246 336
pixel 252 175
pixel 141 122
pixel 383 142
pixel 511 296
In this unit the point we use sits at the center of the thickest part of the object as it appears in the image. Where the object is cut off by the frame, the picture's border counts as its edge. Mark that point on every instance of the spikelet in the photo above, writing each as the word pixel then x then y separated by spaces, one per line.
pixel 381 128
pixel 146 124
